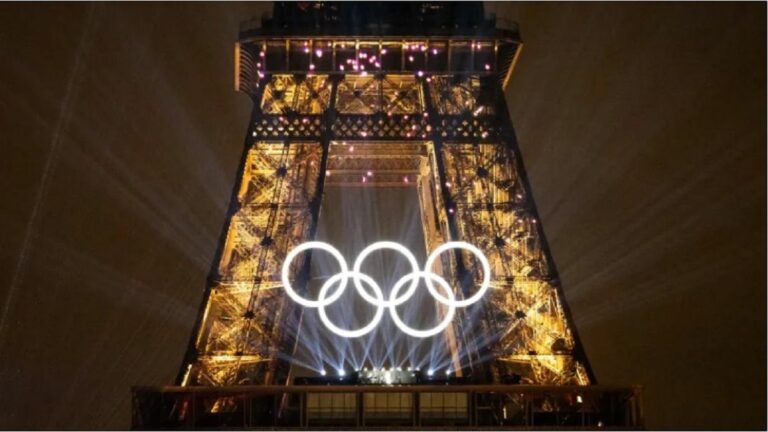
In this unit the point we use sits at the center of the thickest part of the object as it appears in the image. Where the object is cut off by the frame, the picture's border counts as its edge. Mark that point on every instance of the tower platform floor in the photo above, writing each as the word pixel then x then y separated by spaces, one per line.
pixel 459 407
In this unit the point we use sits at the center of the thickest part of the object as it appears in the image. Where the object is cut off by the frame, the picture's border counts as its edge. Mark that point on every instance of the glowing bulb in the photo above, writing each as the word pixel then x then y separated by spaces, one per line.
pixel 434 51
pixel 579 399
pixel 341 67
pixel 447 371
pixel 341 372
pixel 319 53
pixel 405 179
pixel 311 66
pixel 322 372
pixel 306 50
pixel 383 51
pixel 430 372
pixel 410 58
pixel 351 148
pixel 420 73
pixel 487 66
pixel 369 173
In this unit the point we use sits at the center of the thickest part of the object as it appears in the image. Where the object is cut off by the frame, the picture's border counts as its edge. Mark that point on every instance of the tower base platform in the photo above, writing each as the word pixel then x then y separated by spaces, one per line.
pixel 343 406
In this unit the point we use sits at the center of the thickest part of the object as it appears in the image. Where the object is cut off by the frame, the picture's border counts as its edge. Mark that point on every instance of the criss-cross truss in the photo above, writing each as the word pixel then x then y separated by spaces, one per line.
pixel 425 113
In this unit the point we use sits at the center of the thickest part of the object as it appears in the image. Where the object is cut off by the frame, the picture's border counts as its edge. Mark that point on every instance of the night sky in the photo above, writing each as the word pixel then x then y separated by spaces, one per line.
pixel 642 127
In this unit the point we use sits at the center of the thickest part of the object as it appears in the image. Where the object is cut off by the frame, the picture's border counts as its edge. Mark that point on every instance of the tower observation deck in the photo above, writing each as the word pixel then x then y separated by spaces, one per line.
pixel 382 95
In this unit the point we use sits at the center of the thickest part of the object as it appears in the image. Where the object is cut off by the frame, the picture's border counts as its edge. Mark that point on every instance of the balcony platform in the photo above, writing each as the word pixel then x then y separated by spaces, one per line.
pixel 458 407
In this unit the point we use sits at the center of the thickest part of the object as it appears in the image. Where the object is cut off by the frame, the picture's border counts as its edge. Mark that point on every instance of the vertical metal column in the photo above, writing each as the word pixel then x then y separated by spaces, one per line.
pixel 329 117
pixel 191 354
pixel 465 278
pixel 510 139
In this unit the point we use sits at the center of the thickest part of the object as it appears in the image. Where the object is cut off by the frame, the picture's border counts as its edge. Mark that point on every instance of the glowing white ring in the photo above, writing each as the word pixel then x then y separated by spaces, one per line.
pixel 483 262
pixel 434 330
pixel 363 330
pixel 378 300
pixel 287 269
pixel 356 273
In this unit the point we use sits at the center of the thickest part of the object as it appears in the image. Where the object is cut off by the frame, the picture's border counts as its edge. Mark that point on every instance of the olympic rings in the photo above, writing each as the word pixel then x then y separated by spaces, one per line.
pixel 287 269
pixel 379 303
pixel 436 329
pixel 483 262
pixel 385 245
pixel 358 278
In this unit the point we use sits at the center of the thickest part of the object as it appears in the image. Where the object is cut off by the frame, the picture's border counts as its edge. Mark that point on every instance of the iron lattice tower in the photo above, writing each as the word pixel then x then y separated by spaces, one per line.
pixel 422 102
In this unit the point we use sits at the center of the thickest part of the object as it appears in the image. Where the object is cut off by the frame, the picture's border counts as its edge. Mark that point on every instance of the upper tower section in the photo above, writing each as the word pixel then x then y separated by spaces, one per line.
pixel 375 38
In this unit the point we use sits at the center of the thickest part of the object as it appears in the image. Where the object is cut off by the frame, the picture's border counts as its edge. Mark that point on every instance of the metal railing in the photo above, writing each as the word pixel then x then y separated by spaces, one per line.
pixel 407 406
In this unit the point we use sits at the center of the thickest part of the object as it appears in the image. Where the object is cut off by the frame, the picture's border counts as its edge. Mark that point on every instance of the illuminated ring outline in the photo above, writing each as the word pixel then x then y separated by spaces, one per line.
pixel 356 273
pixel 439 327
pixel 378 301
pixel 483 262
pixel 287 269
pixel 363 330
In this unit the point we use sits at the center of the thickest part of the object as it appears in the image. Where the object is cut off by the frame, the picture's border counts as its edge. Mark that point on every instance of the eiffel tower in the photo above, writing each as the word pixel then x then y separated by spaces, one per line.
pixel 382 95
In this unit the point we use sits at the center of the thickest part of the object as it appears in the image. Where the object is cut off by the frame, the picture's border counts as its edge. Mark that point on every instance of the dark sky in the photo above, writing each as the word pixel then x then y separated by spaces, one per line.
pixel 642 127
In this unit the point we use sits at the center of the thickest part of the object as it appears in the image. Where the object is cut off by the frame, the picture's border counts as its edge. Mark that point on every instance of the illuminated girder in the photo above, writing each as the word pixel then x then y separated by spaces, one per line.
pixel 425 113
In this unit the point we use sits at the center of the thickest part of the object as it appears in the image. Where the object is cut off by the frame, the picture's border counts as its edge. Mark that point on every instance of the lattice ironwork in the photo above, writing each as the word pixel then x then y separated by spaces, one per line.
pixel 390 94
pixel 381 127
pixel 295 127
pixel 381 164
pixel 469 128
pixel 240 337
pixel 285 94
pixel 491 204
pixel 458 95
